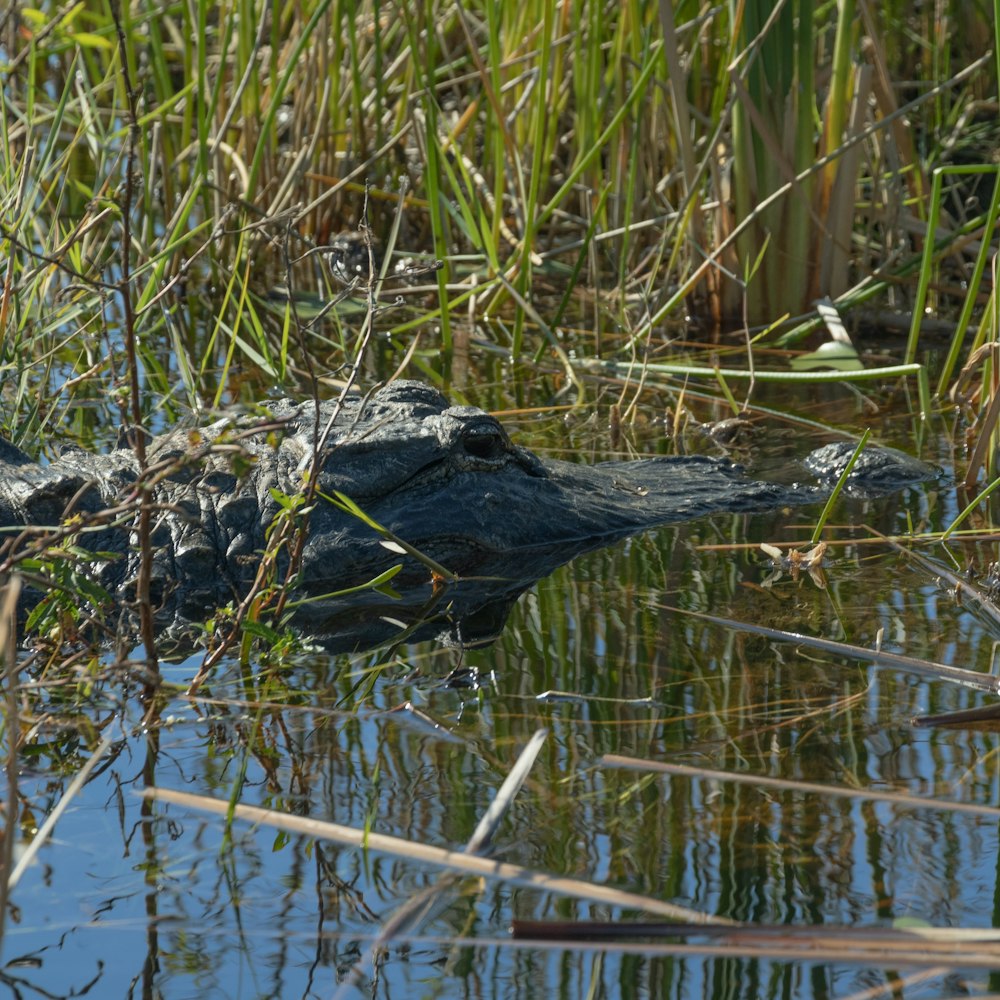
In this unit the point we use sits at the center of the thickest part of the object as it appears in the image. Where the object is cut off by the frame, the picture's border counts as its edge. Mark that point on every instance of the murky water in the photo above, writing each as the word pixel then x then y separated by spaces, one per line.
pixel 139 900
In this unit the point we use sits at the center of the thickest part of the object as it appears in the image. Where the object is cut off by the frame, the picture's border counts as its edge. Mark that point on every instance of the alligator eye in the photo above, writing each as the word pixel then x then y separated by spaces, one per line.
pixel 489 443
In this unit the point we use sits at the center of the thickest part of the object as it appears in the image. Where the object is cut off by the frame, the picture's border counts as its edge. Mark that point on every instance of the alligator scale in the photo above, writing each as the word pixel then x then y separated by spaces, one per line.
pixel 446 479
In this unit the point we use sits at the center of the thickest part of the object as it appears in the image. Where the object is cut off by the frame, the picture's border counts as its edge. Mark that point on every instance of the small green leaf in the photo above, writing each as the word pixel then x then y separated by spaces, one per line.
pixel 88 40
pixel 262 631
pixel 37 612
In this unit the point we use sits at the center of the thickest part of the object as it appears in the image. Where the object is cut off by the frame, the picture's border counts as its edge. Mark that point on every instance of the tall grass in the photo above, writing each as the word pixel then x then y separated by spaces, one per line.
pixel 515 130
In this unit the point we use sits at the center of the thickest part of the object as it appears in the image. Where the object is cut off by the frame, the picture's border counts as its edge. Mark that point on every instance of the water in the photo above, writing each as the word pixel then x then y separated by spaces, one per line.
pixel 131 899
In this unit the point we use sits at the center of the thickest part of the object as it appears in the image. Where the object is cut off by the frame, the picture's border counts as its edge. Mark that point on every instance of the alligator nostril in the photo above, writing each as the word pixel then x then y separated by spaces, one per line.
pixel 489 443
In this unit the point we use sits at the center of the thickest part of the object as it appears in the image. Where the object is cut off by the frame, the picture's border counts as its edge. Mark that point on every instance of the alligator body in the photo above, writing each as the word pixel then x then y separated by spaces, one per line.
pixel 447 480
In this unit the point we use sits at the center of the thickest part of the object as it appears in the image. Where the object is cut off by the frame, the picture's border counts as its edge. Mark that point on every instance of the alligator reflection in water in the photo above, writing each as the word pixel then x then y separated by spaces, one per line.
pixel 447 480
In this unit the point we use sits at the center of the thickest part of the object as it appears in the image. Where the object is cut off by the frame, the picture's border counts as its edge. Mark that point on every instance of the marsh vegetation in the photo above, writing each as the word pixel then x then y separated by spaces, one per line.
pixel 627 229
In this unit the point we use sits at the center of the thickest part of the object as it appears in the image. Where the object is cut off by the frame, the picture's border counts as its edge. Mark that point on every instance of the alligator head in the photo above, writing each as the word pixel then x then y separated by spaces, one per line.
pixel 449 481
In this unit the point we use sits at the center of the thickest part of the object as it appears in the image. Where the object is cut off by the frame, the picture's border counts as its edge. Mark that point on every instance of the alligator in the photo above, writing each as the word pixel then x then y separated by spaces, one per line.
pixel 446 480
